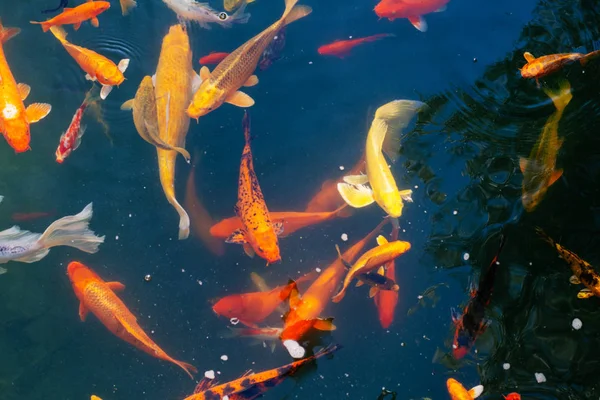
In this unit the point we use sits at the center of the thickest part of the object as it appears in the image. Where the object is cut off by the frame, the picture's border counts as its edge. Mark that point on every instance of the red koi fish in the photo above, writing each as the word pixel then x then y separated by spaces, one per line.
pixel 213 58
pixel 71 139
pixel 386 300
pixel 471 324
pixel 30 216
pixel 252 385
pixel 513 396
pixel 342 48
pixel 413 10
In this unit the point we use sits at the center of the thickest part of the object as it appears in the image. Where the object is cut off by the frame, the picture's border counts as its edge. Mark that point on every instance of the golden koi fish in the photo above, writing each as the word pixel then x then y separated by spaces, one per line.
pixel 384 136
pixel 237 69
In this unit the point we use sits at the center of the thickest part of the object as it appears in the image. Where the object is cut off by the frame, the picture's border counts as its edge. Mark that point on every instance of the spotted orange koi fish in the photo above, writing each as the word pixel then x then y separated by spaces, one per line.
pixel 545 65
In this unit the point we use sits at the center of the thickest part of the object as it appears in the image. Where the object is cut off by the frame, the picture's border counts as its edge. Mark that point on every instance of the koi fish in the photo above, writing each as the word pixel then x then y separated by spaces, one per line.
pixel 174 83
pixel 75 16
pixel 258 234
pixel 203 14
pixel 29 247
pixel 94 397
pixel 290 220
pixel 458 392
pixel 539 170
pixel 230 5
pixel 383 136
pixel 413 10
pixel 127 5
pixel 342 48
pixel 19 217
pixel 305 310
pixel 145 118
pixel 14 117
pixel 212 58
pixel 386 300
pixel 371 260
pixel 98 297
pixel 512 396
pixel 200 217
pixel 583 272
pixel 62 4
pixel 273 52
pixel 71 138
pixel 250 383
pixel 96 66
pixel 545 65
pixel 377 281
pixel 236 70
pixel 472 323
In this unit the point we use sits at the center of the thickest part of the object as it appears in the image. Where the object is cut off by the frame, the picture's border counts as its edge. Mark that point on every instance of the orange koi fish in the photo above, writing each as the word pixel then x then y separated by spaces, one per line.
pixel 305 311
pixel 458 392
pixel 258 234
pixel 99 297
pixel 14 117
pixel 546 65
pixel 386 300
pixel 342 48
pixel 237 69
pixel 96 66
pixel 200 218
pixel 512 396
pixel 371 260
pixel 75 16
pixel 30 216
pixel 246 386
pixel 291 221
pixel 213 58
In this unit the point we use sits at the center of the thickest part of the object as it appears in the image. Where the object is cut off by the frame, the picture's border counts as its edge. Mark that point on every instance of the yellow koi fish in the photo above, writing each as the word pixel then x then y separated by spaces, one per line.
pixel 539 171
pixel 237 69
pixel 384 136
pixel 173 85
pixel 231 5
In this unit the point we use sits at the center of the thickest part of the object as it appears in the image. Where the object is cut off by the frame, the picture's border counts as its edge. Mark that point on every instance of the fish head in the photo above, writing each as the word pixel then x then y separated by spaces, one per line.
pixel 392 204
pixel 80 276
pixel 206 99
pixel 110 75
pixel 102 6
pixel 230 306
pixel 268 249
pixel 387 9
pixel 15 128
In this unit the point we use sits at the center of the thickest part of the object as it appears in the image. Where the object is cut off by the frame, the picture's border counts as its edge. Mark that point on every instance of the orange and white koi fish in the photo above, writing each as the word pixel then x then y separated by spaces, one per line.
pixel 98 297
pixel 75 16
pixel 14 117
pixel 258 234
pixel 342 48
pixel 458 392
pixel 290 220
pixel 250 384
pixel 237 69
pixel 371 260
pixel 71 139
pixel 127 5
pixel 383 136
pixel 96 66
pixel 386 300
pixel 545 65
pixel 174 83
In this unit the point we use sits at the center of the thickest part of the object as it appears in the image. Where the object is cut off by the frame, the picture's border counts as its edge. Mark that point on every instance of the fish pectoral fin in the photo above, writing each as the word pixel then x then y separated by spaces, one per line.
pixel 278 228
pixel 204 73
pixel 240 99
pixel 373 291
pixel 523 164
pixel 3 270
pixel 37 111
pixel 555 176
pixel 419 23
pixel 356 196
pixel 95 23
pixel 585 294
pixel 528 56
pixel 105 91
pixel 115 286
pixel 574 280
pixel 248 250
pixel 78 139
pixel 24 90
pixel 476 391
pixel 324 324
pixel 237 237
pixel 77 25
pixel 356 179
pixel 252 81
pixel 83 312
pixel 359 283
pixel 123 64
pixel 88 77
pixel 196 82
pixel 381 240
pixel 128 105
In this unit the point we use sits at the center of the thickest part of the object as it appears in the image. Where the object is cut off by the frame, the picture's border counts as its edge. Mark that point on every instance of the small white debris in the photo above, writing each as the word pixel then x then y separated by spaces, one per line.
pixel 225 397
pixel 295 350
pixel 506 366
pixel 234 321
pixel 129 215
pixel 454 346
pixel 224 357
pixel 318 269
pixel 577 324
pixel 310 63
pixel 341 168
pixel 344 237
pixel 416 186
pixel 209 374
pixel 455 212
pixel 466 256
pixel 420 297
pixel 539 377
pixel 117 237
pixel 199 282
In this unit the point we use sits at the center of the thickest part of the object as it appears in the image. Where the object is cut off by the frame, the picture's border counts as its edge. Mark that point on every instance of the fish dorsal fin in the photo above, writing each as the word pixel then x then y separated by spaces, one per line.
pixel 528 56
pixel 24 90
pixel 128 105
pixel 476 391
pixel 381 240
pixel 522 164
pixel 555 176
pixel 16 233
pixel 240 99
pixel 204 73
pixel 115 286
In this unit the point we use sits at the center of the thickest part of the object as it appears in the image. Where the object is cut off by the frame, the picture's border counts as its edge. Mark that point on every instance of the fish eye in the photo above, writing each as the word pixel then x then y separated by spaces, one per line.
pixel 260 249
pixel 223 16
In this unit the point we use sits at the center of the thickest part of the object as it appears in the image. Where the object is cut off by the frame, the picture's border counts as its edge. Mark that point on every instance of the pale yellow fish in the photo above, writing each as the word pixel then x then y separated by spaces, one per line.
pixel 237 69
pixel 173 85
pixel 127 5
pixel 145 119
pixel 383 136
pixel 231 5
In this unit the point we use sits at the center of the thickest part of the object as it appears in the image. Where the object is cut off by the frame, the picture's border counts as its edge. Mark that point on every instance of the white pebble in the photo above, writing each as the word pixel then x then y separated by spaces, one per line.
pixel 224 357
pixel 344 237
pixel 455 212
pixel 295 350
pixel 117 237
pixel 341 168
pixel 310 63
pixel 577 324
pixel 506 366
pixel 466 256
pixel 539 377
pixel 234 321
pixel 318 269
pixel 209 374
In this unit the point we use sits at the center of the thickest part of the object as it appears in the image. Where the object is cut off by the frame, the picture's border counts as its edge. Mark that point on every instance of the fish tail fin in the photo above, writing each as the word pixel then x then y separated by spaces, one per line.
pixel 72 231
pixel 344 211
pixel 239 16
pixel 8 33
pixel 293 13
pixel 589 57
pixel 184 219
pixel 396 116
pixel 378 37
pixel 544 235
pixel 188 368
pixel 127 5
pixel 59 33
pixel 562 97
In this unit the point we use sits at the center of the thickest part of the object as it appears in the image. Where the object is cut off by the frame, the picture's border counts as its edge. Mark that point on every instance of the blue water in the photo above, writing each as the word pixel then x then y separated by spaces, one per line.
pixel 310 118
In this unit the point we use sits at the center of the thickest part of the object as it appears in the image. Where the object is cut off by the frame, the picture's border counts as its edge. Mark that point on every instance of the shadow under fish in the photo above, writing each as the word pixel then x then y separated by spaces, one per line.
pixel 63 4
